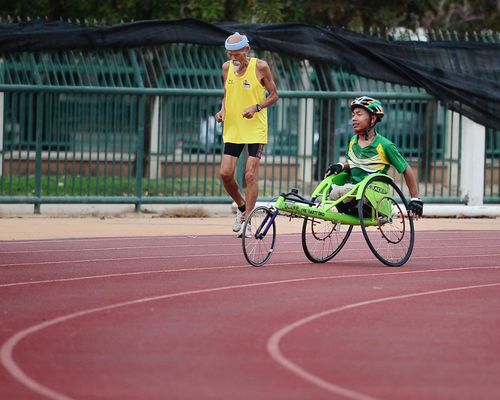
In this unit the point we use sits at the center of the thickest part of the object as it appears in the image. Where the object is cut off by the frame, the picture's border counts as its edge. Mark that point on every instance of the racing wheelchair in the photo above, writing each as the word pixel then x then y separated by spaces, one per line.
pixel 380 209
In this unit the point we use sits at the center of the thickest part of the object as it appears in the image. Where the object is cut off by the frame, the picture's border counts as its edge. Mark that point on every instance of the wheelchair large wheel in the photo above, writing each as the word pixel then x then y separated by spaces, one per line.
pixel 322 240
pixel 386 225
pixel 259 236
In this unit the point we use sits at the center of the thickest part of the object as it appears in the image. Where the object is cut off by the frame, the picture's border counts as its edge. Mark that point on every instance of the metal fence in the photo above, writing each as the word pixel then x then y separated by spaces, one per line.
pixel 137 126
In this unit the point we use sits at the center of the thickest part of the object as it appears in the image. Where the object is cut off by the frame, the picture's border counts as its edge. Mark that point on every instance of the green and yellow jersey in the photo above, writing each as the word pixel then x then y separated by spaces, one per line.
pixel 376 157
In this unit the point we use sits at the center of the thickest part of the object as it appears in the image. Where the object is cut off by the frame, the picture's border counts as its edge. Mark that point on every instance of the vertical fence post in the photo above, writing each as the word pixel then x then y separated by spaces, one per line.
pixel 139 152
pixel 453 140
pixel 1 132
pixel 1 117
pixel 472 160
pixel 155 135
pixel 38 151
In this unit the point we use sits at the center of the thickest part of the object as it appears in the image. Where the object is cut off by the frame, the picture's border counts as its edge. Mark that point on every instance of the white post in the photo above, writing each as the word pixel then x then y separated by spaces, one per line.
pixel 472 160
pixel 155 134
pixel 305 139
pixel 305 135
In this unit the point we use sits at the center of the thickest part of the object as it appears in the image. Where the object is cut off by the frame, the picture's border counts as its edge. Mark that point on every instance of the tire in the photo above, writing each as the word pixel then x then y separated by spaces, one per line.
pixel 322 240
pixel 259 236
pixel 387 227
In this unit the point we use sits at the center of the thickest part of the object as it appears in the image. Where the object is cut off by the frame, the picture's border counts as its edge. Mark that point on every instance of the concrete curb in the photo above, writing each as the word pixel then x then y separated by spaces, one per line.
pixel 430 210
pixel 461 211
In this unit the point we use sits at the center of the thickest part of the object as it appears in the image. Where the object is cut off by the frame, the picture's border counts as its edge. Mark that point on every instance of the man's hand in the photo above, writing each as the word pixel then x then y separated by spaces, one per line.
pixel 416 206
pixel 334 169
pixel 219 117
pixel 249 112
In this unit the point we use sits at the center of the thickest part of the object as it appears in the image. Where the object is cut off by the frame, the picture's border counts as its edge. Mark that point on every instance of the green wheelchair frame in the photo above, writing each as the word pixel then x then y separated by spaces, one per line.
pixel 381 210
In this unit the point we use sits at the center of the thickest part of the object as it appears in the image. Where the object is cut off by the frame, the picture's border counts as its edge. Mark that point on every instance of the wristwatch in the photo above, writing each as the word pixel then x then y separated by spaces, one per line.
pixel 258 107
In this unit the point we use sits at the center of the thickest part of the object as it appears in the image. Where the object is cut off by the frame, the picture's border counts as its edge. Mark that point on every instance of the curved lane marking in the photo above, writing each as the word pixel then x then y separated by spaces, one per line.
pixel 273 344
pixel 6 351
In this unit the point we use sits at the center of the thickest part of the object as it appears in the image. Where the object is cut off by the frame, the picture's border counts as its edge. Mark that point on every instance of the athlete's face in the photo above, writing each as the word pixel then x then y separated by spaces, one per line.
pixel 238 58
pixel 361 120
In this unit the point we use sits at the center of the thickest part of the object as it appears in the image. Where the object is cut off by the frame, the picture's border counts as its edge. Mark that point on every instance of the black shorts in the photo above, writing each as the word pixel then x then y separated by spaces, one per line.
pixel 235 149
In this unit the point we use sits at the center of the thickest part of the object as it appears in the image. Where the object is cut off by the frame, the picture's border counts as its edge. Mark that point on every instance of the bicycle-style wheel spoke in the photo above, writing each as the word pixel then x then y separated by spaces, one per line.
pixel 322 240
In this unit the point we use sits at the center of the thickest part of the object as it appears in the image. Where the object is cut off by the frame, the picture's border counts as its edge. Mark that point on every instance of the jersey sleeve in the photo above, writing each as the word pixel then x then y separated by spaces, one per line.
pixel 395 157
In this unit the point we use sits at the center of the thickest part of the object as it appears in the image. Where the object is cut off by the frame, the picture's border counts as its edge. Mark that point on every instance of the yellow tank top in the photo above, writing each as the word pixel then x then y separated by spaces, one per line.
pixel 243 92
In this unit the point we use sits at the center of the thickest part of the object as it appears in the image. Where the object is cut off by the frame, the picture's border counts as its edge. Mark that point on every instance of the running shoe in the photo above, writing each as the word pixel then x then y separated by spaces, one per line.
pixel 248 233
pixel 238 223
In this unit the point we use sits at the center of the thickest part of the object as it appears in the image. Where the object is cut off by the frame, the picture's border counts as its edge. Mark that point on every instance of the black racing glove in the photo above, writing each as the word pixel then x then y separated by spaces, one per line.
pixel 416 206
pixel 334 169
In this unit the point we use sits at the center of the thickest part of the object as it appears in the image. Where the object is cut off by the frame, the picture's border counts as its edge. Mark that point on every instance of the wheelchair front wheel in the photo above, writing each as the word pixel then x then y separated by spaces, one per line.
pixel 322 240
pixel 259 236
pixel 387 226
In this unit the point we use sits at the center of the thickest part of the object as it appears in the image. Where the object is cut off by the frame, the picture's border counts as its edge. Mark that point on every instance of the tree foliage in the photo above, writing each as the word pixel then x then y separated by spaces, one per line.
pixel 359 15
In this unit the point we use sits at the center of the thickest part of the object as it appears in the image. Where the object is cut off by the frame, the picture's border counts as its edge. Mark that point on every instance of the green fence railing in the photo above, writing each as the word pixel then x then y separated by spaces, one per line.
pixel 163 146
pixel 136 126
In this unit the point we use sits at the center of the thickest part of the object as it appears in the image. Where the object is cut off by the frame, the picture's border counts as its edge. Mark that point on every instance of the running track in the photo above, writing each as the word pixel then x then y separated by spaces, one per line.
pixel 187 318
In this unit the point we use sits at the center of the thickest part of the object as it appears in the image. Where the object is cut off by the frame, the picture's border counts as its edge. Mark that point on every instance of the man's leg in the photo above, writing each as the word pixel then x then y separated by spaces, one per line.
pixel 227 170
pixel 347 206
pixel 252 182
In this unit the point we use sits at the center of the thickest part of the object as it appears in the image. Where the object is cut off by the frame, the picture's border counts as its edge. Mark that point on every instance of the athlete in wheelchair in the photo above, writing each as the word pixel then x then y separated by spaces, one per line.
pixel 369 152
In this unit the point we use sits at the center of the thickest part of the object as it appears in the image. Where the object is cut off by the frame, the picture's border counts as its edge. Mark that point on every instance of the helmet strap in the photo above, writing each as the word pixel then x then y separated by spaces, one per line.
pixel 367 131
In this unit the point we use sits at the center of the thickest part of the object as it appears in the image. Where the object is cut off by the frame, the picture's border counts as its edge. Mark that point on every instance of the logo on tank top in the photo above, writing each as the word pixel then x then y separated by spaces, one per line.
pixel 246 84
pixel 229 81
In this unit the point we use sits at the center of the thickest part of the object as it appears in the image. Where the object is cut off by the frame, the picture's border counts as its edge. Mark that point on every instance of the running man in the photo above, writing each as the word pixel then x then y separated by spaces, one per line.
pixel 244 112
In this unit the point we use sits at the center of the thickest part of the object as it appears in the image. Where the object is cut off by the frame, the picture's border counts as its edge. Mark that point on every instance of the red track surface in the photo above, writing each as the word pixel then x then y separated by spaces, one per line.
pixel 187 318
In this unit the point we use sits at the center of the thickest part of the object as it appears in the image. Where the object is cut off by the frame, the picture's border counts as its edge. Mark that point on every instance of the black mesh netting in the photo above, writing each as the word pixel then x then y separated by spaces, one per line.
pixel 463 75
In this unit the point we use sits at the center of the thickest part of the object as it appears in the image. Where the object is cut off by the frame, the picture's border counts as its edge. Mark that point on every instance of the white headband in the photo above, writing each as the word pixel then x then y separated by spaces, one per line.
pixel 237 46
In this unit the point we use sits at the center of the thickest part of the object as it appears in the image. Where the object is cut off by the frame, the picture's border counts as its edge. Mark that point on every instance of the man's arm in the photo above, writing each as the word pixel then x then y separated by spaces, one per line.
pixel 266 77
pixel 415 205
pixel 411 181
pixel 219 117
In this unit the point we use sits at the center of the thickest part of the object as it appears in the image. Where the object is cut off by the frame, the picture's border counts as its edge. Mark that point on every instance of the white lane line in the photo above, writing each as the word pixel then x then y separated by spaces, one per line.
pixel 164 238
pixel 6 351
pixel 273 344
pixel 94 260
pixel 176 246
pixel 103 239
pixel 118 275
pixel 167 271
pixel 170 246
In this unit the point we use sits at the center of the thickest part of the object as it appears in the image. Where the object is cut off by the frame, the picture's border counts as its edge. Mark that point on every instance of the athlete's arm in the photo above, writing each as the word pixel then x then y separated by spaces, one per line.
pixel 265 76
pixel 411 181
pixel 219 117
